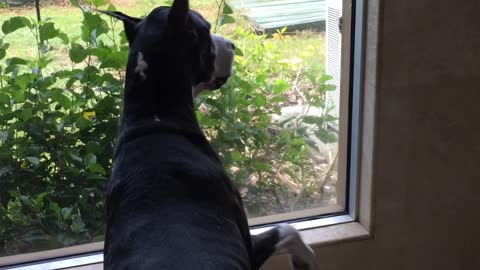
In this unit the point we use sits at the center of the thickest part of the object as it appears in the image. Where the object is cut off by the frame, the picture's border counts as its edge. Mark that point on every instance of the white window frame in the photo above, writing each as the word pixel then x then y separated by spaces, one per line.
pixel 355 223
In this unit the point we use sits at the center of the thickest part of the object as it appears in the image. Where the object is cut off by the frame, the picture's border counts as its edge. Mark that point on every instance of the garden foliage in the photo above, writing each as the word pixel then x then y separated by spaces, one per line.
pixel 58 127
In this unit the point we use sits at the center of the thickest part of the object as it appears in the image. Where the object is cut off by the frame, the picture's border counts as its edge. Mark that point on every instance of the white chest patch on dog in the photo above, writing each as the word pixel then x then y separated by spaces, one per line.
pixel 156 118
pixel 142 66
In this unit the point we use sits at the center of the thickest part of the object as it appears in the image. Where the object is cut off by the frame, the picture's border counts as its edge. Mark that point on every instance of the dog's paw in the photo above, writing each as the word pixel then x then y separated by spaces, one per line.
pixel 302 257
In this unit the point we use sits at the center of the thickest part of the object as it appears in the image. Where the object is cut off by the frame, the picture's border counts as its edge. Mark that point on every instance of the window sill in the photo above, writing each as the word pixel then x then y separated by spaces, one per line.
pixel 315 237
pixel 318 237
pixel 335 234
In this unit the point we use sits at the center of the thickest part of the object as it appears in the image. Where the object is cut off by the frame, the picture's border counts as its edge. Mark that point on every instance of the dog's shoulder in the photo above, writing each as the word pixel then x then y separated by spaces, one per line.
pixel 168 159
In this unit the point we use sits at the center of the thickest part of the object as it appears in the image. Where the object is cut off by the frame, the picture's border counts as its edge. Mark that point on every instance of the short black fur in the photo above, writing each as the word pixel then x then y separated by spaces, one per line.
pixel 168 187
pixel 170 204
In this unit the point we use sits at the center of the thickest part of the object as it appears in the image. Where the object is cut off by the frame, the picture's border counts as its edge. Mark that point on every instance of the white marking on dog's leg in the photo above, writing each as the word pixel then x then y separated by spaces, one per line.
pixel 142 66
pixel 156 118
pixel 302 256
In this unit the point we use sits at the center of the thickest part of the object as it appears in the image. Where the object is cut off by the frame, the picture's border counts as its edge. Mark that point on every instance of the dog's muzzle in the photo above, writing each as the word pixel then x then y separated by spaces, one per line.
pixel 224 51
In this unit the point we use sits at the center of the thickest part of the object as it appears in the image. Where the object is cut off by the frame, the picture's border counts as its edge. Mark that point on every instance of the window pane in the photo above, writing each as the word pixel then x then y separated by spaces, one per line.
pixel 275 124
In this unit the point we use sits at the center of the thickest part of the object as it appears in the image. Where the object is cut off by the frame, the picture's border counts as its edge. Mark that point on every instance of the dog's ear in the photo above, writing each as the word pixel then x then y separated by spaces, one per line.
pixel 177 17
pixel 129 23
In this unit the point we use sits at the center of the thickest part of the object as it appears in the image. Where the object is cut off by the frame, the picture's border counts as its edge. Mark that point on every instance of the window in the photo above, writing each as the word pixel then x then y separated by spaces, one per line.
pixel 281 125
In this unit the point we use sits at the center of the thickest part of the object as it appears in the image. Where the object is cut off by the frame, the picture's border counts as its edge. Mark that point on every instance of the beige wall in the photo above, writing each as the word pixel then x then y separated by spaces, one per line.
pixel 426 172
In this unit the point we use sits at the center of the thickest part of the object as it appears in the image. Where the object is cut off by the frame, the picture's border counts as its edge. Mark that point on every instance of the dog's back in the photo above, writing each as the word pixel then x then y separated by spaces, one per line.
pixel 171 206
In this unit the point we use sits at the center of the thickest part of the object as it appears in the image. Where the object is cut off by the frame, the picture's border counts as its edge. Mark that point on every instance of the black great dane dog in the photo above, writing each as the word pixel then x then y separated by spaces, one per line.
pixel 170 205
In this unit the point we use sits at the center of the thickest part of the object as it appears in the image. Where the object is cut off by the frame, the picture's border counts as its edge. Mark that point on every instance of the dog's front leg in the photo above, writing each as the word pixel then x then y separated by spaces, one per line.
pixel 283 238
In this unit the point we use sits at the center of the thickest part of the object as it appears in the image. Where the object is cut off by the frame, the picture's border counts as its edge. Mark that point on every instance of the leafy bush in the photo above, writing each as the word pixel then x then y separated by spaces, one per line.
pixel 268 159
pixel 58 128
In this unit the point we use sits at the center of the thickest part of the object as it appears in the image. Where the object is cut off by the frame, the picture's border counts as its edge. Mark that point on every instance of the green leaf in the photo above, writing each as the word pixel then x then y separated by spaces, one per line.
pixel 280 86
pixel 261 166
pixel 16 61
pixel 26 114
pixel 83 123
pixel 77 53
pixel 97 3
pixel 325 136
pixel 260 79
pixel 94 147
pixel 44 61
pixel 4 99
pixel 58 96
pixel 328 87
pixel 3 136
pixel 3 45
pixel 236 156
pixel 89 159
pixel 75 157
pixel 238 51
pixel 116 60
pixel 48 31
pixel 97 168
pixel 25 200
pixel 55 208
pixel 94 176
pixel 100 52
pixel 111 8
pixel 13 24
pixel 3 53
pixel 259 100
pixel 38 200
pixel 297 142
pixel 33 160
pixel 12 64
pixel 325 78
pixel 310 119
pixel 167 3
pixel 225 19
pixel 23 80
pixel 77 224
pixel 227 9
pixel 66 212
pixel 278 99
pixel 18 96
pixel 92 27
pixel 63 37
pixel 73 170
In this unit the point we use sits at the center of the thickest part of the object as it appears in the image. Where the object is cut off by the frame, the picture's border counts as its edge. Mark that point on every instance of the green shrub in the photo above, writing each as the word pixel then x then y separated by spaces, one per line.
pixel 58 128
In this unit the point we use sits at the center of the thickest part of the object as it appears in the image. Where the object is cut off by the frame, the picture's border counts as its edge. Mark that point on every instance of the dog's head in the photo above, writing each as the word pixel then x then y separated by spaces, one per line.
pixel 174 43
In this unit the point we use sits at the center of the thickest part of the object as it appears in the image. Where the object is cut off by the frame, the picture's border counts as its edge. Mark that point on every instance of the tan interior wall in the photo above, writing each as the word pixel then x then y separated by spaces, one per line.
pixel 427 145
pixel 426 173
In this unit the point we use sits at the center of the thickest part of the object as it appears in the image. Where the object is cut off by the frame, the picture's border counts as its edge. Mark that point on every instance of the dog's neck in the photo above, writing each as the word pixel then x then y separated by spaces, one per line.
pixel 159 99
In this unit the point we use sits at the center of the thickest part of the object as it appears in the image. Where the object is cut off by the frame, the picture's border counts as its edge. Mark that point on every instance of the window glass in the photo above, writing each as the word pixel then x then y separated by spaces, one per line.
pixel 275 124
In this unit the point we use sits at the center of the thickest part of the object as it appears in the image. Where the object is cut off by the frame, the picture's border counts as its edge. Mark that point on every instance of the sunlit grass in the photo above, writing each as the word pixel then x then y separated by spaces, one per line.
pixel 305 47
